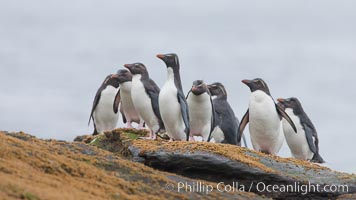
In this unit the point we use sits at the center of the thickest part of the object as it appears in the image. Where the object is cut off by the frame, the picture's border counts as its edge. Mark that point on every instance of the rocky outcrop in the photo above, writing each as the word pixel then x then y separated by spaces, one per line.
pixel 242 168
pixel 34 169
pixel 118 165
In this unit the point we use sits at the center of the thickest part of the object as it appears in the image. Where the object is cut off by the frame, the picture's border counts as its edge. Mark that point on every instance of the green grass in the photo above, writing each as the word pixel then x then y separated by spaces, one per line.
pixel 29 196
pixel 96 141
pixel 132 136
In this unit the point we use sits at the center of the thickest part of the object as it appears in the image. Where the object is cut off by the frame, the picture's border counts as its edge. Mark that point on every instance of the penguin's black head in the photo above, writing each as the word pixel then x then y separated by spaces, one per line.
pixel 170 59
pixel 256 84
pixel 217 89
pixel 112 80
pixel 124 75
pixel 136 68
pixel 199 87
pixel 292 103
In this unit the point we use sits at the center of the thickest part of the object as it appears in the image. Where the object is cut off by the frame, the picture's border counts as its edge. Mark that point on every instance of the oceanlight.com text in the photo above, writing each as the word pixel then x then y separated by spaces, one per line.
pixel 257 187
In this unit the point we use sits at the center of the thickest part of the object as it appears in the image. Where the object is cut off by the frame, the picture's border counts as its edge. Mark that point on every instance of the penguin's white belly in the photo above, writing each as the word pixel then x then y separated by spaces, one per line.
pixel 143 105
pixel 265 125
pixel 171 112
pixel 127 103
pixel 104 116
pixel 297 142
pixel 200 114
pixel 217 135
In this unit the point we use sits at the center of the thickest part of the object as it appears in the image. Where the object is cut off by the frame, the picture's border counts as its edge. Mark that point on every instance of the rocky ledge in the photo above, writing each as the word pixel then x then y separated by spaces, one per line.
pixel 118 165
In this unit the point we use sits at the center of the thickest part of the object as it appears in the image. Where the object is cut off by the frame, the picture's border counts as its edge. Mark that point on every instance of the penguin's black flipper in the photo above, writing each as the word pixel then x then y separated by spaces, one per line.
pixel 95 103
pixel 185 112
pixel 244 121
pixel 310 140
pixel 241 137
pixel 117 102
pixel 97 98
pixel 155 106
pixel 186 97
pixel 123 118
pixel 153 92
pixel 283 114
pixel 95 131
pixel 213 121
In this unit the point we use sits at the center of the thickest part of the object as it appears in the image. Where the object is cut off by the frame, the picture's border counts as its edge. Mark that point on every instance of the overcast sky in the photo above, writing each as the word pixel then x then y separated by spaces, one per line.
pixel 55 54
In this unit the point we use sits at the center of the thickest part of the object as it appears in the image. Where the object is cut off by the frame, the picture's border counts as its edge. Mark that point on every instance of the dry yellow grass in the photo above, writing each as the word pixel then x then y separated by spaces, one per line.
pixel 36 169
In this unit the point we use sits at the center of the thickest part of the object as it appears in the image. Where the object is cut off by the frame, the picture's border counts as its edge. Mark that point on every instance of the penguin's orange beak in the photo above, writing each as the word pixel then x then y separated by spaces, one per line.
pixel 281 100
pixel 245 81
pixel 160 56
pixel 128 66
pixel 114 76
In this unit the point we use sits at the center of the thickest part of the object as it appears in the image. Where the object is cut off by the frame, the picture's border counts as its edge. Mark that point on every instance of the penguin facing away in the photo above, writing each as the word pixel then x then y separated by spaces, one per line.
pixel 264 116
pixel 129 113
pixel 172 103
pixel 305 144
pixel 226 129
pixel 144 93
pixel 104 112
pixel 201 111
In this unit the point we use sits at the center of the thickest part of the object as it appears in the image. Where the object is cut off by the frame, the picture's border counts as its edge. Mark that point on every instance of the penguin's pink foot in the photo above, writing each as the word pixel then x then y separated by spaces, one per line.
pixel 129 125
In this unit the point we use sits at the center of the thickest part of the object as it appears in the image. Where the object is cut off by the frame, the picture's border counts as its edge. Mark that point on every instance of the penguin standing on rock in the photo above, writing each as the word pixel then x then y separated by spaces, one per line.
pixel 128 109
pixel 172 102
pixel 264 116
pixel 303 145
pixel 201 111
pixel 227 123
pixel 105 107
pixel 144 93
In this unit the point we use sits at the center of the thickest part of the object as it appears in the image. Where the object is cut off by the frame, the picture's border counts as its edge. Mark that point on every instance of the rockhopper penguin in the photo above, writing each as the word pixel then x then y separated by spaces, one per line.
pixel 105 107
pixel 264 116
pixel 226 129
pixel 144 93
pixel 201 111
pixel 128 109
pixel 172 103
pixel 303 145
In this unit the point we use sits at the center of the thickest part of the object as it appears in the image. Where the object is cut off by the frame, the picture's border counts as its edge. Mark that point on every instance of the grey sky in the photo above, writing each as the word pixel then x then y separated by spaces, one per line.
pixel 55 54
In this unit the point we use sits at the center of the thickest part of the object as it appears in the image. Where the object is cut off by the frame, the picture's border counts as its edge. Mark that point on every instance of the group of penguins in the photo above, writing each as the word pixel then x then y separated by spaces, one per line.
pixel 204 114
